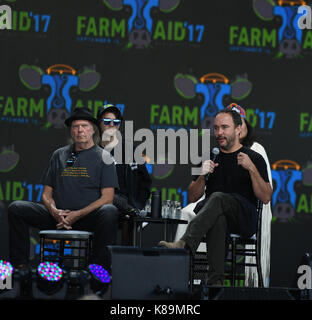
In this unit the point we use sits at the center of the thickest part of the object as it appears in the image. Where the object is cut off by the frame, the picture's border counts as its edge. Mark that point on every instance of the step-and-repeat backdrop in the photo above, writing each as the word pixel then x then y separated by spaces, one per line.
pixel 167 64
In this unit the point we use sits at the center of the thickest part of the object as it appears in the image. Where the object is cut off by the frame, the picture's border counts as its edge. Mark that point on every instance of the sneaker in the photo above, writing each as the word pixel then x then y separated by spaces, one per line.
pixel 173 245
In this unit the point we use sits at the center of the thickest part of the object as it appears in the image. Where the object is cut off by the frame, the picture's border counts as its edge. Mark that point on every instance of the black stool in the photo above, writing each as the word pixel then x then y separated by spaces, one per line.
pixel 70 249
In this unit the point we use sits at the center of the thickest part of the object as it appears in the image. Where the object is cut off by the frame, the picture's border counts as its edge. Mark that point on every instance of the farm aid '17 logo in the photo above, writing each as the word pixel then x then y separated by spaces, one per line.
pixel 141 29
pixel 282 37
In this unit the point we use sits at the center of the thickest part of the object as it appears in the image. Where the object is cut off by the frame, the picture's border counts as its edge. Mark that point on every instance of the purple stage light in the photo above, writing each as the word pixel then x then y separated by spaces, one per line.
pixel 100 273
pixel 50 271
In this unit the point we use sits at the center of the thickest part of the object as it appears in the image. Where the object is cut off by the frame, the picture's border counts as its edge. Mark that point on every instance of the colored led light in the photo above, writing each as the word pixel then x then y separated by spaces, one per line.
pixel 6 269
pixel 50 271
pixel 100 273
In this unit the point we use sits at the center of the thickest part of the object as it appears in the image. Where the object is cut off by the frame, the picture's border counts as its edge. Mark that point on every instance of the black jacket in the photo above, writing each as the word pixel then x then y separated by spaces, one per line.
pixel 134 182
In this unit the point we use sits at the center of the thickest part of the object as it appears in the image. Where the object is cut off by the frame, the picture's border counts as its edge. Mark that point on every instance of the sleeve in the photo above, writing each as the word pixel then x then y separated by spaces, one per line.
pixel 109 178
pixel 121 174
pixel 261 166
pixel 49 174
pixel 144 184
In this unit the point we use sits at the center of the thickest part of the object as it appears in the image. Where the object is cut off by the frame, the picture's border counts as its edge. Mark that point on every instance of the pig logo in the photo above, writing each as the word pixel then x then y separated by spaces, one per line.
pixel 140 23
pixel 60 79
pixel 215 88
pixel 289 34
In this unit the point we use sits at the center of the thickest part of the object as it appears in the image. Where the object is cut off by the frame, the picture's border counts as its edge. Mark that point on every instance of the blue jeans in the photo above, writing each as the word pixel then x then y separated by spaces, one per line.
pixel 22 214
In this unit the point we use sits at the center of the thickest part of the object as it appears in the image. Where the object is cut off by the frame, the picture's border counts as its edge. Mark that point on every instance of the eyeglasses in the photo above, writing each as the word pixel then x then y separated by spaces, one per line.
pixel 108 121
pixel 71 161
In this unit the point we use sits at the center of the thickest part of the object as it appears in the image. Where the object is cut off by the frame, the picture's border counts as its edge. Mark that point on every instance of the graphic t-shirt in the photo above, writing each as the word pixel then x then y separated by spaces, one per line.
pixel 77 179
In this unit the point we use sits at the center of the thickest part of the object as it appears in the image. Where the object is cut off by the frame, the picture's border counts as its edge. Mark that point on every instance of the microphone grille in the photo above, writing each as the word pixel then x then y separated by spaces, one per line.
pixel 215 151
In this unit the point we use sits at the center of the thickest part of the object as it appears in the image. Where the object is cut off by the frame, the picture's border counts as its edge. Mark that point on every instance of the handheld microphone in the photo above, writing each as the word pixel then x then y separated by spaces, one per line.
pixel 215 153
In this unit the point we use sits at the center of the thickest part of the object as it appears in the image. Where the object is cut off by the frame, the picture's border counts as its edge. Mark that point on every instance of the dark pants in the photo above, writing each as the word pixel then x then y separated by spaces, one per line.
pixel 217 217
pixel 103 222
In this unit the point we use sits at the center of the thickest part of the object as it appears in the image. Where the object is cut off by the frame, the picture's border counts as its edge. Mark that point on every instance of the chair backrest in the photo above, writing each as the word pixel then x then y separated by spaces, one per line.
pixel 257 235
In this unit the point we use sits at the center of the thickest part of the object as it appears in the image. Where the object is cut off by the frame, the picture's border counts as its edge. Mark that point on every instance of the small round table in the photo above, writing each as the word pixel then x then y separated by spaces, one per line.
pixel 138 221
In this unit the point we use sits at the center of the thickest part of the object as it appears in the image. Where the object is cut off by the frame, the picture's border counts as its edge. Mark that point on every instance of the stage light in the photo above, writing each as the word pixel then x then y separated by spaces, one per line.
pixel 100 273
pixel 100 280
pixel 49 282
pixel 9 281
pixel 50 271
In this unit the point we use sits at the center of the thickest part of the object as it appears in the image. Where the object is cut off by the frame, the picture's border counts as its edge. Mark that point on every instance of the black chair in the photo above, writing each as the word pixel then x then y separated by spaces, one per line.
pixel 237 249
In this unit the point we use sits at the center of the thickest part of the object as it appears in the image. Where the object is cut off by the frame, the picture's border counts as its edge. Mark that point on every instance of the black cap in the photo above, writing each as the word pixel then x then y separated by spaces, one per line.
pixel 81 113
pixel 109 108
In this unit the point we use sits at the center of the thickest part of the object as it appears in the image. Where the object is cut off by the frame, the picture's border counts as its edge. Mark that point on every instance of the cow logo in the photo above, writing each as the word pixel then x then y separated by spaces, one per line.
pixel 280 35
pixel 215 89
pixel 289 34
pixel 285 173
pixel 59 79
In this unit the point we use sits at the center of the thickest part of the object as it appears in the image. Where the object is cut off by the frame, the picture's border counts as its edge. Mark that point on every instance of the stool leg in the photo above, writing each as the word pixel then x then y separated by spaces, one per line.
pixel 41 249
pixel 233 276
pixel 61 253
pixel 90 247
pixel 87 253
pixel 79 255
